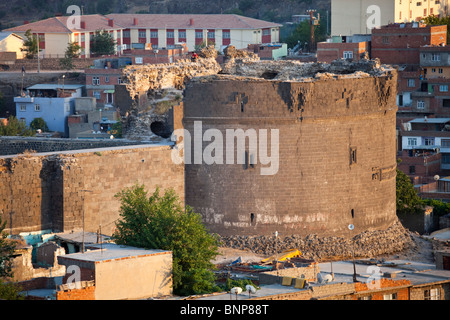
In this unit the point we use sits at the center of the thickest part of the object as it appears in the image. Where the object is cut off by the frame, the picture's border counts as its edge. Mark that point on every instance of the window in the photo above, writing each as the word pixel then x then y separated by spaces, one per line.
pixel 390 296
pixel 226 35
pixel 420 104
pixel 142 34
pixel 126 34
pixel 412 170
pixel 23 107
pixel 82 37
pixel 211 34
pixel 37 107
pixel 181 34
pixel 352 155
pixel 443 88
pixel 107 79
pixel 445 158
pixel 435 57
pixel 170 34
pixel 433 70
pixel 138 60
pixel 432 294
pixel 411 82
pixel 153 34
pixel 445 143
pixel 348 54
pixel 198 35
pixel 385 40
pixel 119 80
pixel 97 95
pixel 441 70
pixel 95 81
pixel 428 141
pixel 412 141
pixel 266 32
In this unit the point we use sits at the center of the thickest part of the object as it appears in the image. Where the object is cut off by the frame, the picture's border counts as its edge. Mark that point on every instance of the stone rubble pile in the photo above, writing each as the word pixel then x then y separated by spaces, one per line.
pixel 368 244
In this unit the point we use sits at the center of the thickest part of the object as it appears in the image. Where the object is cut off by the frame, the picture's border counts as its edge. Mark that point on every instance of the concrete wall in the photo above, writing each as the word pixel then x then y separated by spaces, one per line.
pixel 316 189
pixel 142 277
pixel 44 191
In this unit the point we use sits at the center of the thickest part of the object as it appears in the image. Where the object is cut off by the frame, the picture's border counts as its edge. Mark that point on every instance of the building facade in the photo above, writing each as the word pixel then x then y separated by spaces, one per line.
pixel 56 33
pixel 166 30
pixel 53 103
pixel 136 31
pixel 360 16
pixel 10 42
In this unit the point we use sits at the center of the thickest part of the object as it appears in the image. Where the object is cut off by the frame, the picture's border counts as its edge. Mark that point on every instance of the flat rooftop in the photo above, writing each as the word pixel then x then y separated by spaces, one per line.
pixel 110 251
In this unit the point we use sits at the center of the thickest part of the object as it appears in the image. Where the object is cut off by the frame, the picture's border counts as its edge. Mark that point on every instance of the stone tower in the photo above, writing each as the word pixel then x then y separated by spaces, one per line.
pixel 319 153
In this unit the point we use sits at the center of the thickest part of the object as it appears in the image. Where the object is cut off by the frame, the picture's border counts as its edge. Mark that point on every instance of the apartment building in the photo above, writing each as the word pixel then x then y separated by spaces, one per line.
pixel 51 102
pixel 140 31
pixel 359 16
pixel 57 32
pixel 166 30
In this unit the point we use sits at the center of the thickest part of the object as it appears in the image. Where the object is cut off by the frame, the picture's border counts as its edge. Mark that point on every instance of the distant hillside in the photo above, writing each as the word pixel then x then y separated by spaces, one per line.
pixel 15 12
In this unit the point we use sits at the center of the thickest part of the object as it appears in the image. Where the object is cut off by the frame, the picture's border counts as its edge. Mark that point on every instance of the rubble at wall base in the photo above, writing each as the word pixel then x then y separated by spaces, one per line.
pixel 368 244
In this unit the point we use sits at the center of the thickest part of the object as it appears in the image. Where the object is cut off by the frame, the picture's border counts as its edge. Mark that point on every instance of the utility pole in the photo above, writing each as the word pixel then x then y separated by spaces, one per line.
pixel 313 21
pixel 38 65
pixel 83 195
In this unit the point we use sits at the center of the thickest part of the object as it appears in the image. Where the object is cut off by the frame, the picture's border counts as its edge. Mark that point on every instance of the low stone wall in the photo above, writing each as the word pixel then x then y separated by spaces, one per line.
pixel 18 145
pixel 49 64
pixel 367 244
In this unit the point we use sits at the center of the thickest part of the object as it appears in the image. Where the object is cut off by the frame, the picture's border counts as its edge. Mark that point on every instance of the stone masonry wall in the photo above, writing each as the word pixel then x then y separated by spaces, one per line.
pixel 17 145
pixel 318 188
pixel 45 191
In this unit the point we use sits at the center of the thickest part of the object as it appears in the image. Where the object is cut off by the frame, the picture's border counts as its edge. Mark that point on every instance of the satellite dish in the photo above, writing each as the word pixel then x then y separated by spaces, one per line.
pixel 327 278
pixel 324 279
pixel 436 177
pixel 320 278
pixel 250 289
pixel 351 226
pixel 236 290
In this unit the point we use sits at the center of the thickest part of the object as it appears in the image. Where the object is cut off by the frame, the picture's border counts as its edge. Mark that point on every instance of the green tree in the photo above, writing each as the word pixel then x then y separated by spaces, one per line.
pixel 161 222
pixel 39 123
pixel 15 127
pixel 72 51
pixel 10 291
pixel 302 34
pixel 103 44
pixel 407 199
pixel 7 248
pixel 30 45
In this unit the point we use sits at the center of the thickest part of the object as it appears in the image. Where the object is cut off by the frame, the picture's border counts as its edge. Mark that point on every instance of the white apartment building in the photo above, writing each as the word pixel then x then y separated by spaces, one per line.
pixel 138 31
pixel 350 17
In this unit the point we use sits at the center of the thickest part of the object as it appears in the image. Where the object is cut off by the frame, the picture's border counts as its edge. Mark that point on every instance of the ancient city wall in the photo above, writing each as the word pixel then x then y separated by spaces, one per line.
pixel 336 154
pixel 39 192
pixel 16 145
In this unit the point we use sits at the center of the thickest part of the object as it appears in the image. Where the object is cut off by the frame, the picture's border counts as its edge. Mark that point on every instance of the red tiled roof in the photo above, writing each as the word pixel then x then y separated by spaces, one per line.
pixel 183 21
pixel 92 22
